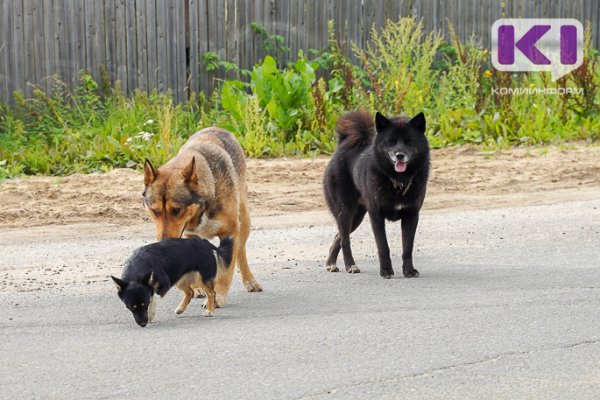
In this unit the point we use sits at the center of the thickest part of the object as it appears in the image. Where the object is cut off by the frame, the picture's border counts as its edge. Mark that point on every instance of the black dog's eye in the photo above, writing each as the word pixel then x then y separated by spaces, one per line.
pixel 142 305
pixel 175 211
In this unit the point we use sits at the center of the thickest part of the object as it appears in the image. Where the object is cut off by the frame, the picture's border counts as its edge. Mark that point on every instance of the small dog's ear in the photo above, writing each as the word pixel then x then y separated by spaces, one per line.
pixel 153 282
pixel 418 122
pixel 146 278
pixel 150 174
pixel 189 172
pixel 381 122
pixel 119 283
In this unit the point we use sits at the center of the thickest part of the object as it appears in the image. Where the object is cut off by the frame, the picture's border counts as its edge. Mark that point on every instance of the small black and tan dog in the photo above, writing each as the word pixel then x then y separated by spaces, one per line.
pixel 185 263
pixel 380 167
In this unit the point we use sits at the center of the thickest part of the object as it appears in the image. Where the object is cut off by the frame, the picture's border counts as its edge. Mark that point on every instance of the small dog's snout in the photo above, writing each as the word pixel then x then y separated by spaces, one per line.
pixel 400 156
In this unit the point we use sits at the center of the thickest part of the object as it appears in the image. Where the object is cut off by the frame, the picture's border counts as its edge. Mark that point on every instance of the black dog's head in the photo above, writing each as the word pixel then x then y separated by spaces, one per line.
pixel 400 140
pixel 137 296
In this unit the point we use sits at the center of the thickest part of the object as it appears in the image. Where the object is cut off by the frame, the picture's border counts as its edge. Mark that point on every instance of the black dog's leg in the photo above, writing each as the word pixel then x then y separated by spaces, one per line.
pixel 409 228
pixel 336 246
pixel 345 221
pixel 385 263
pixel 334 250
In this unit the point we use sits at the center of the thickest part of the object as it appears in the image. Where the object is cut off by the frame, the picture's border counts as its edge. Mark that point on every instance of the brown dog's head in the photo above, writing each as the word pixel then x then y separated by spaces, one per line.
pixel 172 198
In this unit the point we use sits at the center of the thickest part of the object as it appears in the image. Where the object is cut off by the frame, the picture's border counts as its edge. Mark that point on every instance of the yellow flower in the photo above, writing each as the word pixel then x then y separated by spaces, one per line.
pixel 487 73
pixel 485 52
pixel 531 85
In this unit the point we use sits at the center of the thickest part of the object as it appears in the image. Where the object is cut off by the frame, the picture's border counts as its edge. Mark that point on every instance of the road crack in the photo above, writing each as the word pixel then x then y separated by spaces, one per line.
pixel 434 371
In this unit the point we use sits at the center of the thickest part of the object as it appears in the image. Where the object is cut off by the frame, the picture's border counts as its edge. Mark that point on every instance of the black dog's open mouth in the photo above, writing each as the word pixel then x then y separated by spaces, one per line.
pixel 400 166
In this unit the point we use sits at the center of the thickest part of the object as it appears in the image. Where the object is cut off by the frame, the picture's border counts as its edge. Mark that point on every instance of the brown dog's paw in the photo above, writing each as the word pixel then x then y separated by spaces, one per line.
pixel 332 268
pixel 253 286
pixel 219 300
pixel 207 313
pixel 353 269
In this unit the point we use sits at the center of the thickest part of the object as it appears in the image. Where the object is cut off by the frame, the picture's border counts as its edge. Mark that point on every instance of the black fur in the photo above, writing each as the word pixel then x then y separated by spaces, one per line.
pixel 157 267
pixel 362 177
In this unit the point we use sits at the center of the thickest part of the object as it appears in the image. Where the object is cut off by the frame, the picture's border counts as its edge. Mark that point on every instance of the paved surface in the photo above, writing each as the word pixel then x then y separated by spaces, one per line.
pixel 507 307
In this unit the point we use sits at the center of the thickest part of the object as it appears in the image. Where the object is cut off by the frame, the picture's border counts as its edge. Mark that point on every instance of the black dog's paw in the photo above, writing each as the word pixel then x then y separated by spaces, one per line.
pixel 386 273
pixel 353 269
pixel 410 273
pixel 332 268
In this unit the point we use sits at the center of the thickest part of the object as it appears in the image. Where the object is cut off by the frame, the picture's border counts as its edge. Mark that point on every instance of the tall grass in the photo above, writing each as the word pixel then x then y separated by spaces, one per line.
pixel 291 109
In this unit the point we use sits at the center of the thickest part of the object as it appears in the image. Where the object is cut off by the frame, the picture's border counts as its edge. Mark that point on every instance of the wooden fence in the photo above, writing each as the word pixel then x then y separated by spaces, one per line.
pixel 159 44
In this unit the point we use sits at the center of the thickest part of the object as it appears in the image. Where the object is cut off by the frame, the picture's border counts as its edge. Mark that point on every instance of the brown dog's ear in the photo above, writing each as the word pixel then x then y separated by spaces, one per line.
pixel 150 174
pixel 120 284
pixel 189 172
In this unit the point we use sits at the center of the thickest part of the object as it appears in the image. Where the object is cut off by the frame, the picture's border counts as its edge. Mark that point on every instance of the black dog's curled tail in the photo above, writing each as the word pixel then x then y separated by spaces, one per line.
pixel 225 251
pixel 356 129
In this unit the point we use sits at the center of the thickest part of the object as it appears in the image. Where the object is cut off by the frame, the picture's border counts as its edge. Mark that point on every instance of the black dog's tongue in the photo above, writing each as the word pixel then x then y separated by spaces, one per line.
pixel 400 166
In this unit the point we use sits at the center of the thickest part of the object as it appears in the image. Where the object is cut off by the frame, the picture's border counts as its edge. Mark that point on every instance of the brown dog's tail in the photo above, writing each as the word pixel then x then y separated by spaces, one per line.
pixel 356 129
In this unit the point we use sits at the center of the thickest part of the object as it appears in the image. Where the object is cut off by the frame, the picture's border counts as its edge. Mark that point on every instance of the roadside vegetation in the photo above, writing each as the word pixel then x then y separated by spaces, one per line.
pixel 290 108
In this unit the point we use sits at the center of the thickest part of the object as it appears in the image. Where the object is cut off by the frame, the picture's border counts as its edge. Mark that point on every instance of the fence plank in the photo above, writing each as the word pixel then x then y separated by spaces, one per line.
pixel 181 60
pixel 110 37
pixel 4 56
pixel 192 42
pixel 78 35
pixel 17 75
pixel 141 46
pixel 39 40
pixel 29 70
pixel 130 40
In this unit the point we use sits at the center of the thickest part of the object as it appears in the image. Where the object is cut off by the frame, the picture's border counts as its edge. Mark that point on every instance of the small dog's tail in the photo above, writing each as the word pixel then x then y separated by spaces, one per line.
pixel 224 253
pixel 356 129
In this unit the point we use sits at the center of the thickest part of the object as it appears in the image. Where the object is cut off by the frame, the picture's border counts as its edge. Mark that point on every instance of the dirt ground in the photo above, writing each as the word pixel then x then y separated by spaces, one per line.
pixel 461 178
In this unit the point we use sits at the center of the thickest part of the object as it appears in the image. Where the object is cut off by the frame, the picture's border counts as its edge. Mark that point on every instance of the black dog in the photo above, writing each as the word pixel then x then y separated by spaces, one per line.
pixel 185 263
pixel 385 174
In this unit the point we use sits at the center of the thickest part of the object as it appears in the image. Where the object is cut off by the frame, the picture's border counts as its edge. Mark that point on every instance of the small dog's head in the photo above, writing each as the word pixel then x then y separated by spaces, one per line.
pixel 137 296
pixel 399 139
pixel 172 199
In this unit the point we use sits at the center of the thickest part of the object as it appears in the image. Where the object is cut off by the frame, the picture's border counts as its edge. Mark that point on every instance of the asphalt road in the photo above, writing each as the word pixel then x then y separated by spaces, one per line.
pixel 507 307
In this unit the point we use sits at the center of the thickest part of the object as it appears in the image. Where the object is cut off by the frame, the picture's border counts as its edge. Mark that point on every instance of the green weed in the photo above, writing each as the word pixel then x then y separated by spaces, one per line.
pixel 289 107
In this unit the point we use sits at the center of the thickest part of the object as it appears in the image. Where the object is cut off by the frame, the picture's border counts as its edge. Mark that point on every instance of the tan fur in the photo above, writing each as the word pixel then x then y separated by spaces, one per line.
pixel 203 191
pixel 192 281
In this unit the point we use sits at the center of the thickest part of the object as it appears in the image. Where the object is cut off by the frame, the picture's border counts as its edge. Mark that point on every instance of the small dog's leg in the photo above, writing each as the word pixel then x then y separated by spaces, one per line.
pixel 385 263
pixel 409 228
pixel 152 308
pixel 188 294
pixel 199 293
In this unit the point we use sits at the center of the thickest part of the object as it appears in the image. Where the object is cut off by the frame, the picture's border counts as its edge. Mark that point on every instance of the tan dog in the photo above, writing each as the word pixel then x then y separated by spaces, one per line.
pixel 203 191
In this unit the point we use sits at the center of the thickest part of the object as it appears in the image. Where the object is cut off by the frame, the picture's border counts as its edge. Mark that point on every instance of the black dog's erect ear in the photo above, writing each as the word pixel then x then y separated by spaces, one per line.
pixel 418 122
pixel 189 172
pixel 150 174
pixel 381 122
pixel 119 283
